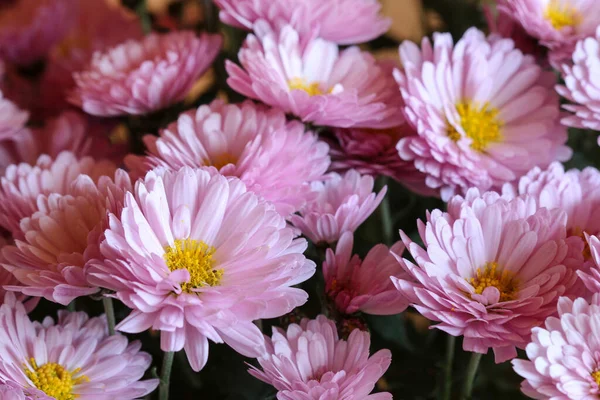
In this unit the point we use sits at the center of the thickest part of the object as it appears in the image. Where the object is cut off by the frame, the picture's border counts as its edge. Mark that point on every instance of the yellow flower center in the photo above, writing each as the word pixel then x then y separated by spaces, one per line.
pixel 196 257
pixel 561 14
pixel 577 231
pixel 54 380
pixel 596 376
pixel 221 160
pixel 313 88
pixel 501 280
pixel 481 125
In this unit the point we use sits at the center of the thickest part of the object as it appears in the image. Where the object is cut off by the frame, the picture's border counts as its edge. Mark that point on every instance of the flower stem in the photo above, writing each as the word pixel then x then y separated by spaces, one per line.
pixel 450 345
pixel 165 375
pixel 72 306
pixel 471 373
pixel 109 310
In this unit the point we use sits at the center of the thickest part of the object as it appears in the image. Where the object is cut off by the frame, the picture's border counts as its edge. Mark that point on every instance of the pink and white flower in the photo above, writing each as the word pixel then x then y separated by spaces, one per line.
pixel 72 358
pixel 338 21
pixel 491 270
pixel 485 114
pixel 315 81
pixel 198 257
pixel 310 362
pixel 142 76
pixel 562 357
pixel 364 285
pixel 341 204
pixel 251 142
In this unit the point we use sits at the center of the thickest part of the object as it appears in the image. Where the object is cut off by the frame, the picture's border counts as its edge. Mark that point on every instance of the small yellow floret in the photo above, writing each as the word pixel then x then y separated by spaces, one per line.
pixel 196 257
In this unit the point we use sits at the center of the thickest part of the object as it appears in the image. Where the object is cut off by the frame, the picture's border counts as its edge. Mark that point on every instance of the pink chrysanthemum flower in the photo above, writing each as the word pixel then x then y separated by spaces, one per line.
pixel 339 21
pixel 248 141
pixel 581 87
pixel 485 113
pixel 138 77
pixel 491 270
pixel 198 257
pixel 316 82
pixel 364 285
pixel 72 358
pixel 12 119
pixel 341 204
pixel 310 362
pixel 23 183
pixel 29 28
pixel 563 357
pixel 558 24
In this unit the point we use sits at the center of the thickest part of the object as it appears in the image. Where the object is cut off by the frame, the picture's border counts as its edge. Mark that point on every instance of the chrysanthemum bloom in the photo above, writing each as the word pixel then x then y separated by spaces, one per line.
pixel 244 140
pixel 339 21
pixel 581 87
pixel 364 285
pixel 316 82
pixel 491 270
pixel 563 357
pixel 12 119
pixel 485 114
pixel 198 257
pixel 23 183
pixel 341 204
pixel 138 77
pixel 74 358
pixel 558 24
pixel 310 362
pixel 29 28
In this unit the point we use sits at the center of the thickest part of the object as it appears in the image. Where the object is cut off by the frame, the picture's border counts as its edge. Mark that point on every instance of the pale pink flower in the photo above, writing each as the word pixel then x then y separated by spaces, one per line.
pixel 310 362
pixel 364 285
pixel 56 244
pixel 316 82
pixel 77 351
pixel 339 21
pixel 142 76
pixel 581 86
pixel 198 257
pixel 274 158
pixel 563 361
pixel 23 183
pixel 12 119
pixel 29 28
pixel 558 24
pixel 341 204
pixel 485 113
pixel 491 270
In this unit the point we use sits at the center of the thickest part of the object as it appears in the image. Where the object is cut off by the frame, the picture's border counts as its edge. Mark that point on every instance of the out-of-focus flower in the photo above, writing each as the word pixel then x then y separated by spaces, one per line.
pixel 491 270
pixel 141 76
pixel 364 285
pixel 309 362
pixel 485 114
pixel 74 358
pixel 341 204
pixel 12 119
pixel 563 356
pixel 558 24
pixel 198 257
pixel 29 28
pixel 339 21
pixel 582 87
pixel 274 158
pixel 316 82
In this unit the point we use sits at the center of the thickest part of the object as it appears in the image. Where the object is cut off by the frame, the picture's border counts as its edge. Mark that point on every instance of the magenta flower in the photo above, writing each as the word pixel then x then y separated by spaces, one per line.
pixel 72 358
pixel 248 141
pixel 198 257
pixel 341 204
pixel 138 77
pixel 310 362
pixel 485 114
pixel 558 24
pixel 12 119
pixel 338 21
pixel 563 356
pixel 491 270
pixel 364 285
pixel 316 81
pixel 29 28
